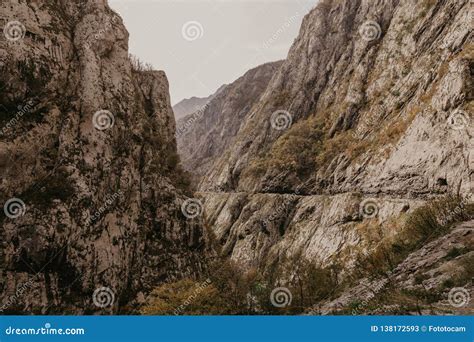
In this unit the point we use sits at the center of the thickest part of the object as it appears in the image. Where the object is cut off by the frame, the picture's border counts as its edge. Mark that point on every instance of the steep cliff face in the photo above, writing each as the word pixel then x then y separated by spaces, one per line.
pixel 368 117
pixel 88 165
pixel 378 106
pixel 204 135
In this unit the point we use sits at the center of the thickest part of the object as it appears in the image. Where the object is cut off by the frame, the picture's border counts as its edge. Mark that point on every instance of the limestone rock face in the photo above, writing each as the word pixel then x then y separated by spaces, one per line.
pixel 88 145
pixel 374 102
pixel 393 93
pixel 260 230
pixel 424 270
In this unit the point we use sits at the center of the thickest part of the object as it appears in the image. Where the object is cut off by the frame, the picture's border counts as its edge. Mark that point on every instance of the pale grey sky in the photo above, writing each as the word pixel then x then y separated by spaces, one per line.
pixel 202 44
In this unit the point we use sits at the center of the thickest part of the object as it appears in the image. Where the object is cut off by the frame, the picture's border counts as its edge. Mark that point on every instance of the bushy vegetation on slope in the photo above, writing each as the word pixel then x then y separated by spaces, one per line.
pixel 226 289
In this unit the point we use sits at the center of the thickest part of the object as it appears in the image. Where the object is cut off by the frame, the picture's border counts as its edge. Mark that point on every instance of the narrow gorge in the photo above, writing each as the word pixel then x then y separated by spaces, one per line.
pixel 368 119
pixel 342 174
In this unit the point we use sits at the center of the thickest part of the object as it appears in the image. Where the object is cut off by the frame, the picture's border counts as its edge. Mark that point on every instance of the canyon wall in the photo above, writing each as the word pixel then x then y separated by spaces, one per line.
pixel 368 118
pixel 88 166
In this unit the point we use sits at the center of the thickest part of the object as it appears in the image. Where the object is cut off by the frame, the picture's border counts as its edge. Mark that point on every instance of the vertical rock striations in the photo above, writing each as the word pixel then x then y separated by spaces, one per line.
pixel 88 144
pixel 370 87
pixel 372 105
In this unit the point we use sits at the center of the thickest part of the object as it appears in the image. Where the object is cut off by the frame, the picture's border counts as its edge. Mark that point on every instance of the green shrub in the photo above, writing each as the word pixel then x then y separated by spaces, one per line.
pixel 423 295
pixel 294 151
pixel 184 297
pixel 312 284
pixel 464 275
pixel 423 225
pixel 229 290
pixel 437 217
pixel 454 252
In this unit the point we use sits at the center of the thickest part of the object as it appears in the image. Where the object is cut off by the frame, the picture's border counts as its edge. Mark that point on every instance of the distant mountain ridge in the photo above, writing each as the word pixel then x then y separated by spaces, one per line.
pixel 205 134
pixel 193 104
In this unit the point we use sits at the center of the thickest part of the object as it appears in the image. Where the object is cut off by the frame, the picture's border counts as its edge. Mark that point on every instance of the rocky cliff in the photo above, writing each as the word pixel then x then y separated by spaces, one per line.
pixel 368 118
pixel 88 165
pixel 369 88
pixel 205 134
pixel 332 158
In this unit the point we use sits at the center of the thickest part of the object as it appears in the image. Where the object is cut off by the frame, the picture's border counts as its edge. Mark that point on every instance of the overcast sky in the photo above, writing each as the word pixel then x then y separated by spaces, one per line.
pixel 202 44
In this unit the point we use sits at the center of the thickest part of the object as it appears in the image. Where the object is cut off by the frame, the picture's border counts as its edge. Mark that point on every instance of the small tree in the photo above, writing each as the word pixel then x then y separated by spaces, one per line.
pixel 138 65
pixel 184 297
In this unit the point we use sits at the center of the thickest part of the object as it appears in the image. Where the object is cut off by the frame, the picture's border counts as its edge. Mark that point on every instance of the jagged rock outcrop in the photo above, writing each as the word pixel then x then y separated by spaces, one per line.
pixel 260 230
pixel 383 103
pixel 204 135
pixel 188 106
pixel 426 270
pixel 88 145
pixel 373 102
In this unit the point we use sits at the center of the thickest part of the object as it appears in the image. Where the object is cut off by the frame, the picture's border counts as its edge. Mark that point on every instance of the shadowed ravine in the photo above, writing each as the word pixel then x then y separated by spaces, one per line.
pixel 341 175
